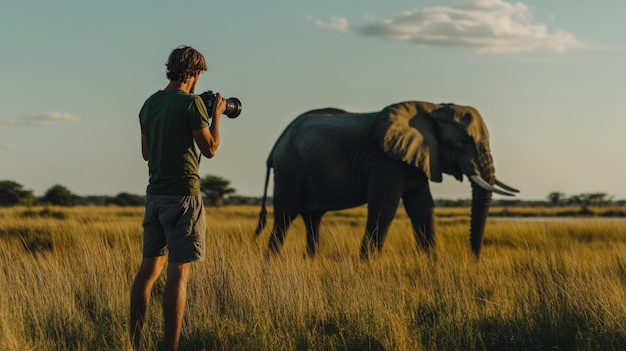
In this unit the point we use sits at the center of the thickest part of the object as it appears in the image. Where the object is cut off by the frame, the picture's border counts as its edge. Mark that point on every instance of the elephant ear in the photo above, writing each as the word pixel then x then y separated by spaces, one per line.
pixel 406 132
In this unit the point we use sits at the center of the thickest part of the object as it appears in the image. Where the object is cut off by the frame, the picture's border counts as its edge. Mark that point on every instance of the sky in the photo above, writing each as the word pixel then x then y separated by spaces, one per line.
pixel 548 78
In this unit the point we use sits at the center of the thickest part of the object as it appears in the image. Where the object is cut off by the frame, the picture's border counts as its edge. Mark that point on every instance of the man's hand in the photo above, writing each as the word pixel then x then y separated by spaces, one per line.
pixel 219 105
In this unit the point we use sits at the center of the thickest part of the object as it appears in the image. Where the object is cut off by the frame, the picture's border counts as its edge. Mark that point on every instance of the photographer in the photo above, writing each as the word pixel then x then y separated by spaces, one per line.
pixel 174 225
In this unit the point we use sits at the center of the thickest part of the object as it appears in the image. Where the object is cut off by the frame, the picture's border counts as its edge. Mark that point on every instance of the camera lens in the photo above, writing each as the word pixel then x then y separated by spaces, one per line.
pixel 233 107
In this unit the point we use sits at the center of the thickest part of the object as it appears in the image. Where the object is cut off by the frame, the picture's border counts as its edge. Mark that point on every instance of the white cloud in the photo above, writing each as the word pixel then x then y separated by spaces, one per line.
pixel 493 26
pixel 44 119
pixel 336 23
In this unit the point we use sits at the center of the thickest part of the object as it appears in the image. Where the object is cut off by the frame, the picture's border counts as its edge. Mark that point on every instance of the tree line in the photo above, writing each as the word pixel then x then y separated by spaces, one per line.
pixel 585 199
pixel 215 191
pixel 554 199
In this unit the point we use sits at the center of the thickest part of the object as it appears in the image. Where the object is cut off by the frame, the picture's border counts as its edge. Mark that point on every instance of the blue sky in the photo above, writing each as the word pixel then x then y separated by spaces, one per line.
pixel 547 76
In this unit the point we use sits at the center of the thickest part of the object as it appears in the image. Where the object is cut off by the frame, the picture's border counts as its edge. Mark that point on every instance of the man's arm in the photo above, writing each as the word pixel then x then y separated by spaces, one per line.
pixel 144 147
pixel 208 138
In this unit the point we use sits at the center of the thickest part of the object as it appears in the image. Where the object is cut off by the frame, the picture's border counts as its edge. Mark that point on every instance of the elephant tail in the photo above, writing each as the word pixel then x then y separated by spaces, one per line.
pixel 263 213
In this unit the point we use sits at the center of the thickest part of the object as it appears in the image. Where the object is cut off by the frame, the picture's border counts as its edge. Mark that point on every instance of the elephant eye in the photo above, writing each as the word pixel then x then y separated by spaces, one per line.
pixel 462 142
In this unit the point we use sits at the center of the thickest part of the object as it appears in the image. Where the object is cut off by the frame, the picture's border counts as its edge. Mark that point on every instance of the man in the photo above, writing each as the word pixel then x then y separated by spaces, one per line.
pixel 174 223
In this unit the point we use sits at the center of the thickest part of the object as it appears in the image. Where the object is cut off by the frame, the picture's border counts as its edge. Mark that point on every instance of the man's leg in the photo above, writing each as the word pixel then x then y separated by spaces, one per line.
pixel 174 301
pixel 147 274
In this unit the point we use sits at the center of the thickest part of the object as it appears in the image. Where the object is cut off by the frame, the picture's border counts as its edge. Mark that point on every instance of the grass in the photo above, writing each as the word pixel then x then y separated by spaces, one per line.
pixel 544 285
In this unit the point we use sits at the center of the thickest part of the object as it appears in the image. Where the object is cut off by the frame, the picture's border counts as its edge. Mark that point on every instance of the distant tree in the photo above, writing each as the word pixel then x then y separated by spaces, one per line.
pixel 576 200
pixel 591 199
pixel 98 200
pixel 61 196
pixel 556 198
pixel 126 199
pixel 214 188
pixel 12 193
pixel 598 199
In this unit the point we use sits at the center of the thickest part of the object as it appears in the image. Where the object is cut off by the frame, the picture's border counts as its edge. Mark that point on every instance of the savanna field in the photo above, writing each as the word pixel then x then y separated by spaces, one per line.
pixel 539 285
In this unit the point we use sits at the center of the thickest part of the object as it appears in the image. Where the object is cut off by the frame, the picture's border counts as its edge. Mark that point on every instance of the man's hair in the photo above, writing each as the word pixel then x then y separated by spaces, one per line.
pixel 183 63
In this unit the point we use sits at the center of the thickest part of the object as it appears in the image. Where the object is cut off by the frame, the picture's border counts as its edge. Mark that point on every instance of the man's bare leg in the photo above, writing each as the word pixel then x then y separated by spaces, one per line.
pixel 147 274
pixel 174 301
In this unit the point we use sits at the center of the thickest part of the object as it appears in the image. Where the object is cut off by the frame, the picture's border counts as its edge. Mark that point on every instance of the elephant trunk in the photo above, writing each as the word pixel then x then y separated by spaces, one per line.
pixel 481 200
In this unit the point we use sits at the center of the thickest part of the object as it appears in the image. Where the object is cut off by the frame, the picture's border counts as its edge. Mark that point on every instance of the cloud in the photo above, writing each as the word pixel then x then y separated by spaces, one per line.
pixel 336 23
pixel 488 26
pixel 45 119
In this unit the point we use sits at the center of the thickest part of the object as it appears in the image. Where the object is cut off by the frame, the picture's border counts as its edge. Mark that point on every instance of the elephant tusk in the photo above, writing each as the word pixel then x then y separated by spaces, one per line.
pixel 486 186
pixel 506 187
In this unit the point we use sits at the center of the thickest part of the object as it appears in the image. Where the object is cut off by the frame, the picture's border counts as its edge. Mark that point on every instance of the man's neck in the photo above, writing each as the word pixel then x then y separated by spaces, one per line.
pixel 176 85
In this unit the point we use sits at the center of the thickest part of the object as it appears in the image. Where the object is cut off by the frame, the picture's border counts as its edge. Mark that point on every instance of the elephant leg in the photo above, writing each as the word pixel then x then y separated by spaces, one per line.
pixel 312 223
pixel 379 217
pixel 282 221
pixel 287 195
pixel 420 208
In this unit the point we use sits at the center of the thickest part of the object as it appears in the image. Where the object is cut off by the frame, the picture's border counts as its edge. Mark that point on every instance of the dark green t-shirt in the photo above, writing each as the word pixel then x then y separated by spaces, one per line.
pixel 167 119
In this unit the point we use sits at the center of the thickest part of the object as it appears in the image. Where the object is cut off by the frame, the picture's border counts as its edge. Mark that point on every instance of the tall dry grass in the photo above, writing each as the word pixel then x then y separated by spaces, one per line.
pixel 66 275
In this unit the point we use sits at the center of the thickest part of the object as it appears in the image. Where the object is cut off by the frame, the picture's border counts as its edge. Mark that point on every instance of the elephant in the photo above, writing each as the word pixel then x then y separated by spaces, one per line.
pixel 330 159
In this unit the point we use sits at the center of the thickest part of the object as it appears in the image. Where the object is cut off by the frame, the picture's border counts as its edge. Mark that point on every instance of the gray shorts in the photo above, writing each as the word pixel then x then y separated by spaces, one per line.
pixel 174 226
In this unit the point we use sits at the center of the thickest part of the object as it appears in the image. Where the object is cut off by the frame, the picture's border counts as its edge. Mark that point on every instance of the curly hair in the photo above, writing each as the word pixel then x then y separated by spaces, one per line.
pixel 183 63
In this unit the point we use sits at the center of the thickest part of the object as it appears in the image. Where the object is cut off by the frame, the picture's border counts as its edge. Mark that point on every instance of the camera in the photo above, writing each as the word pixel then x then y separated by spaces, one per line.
pixel 233 105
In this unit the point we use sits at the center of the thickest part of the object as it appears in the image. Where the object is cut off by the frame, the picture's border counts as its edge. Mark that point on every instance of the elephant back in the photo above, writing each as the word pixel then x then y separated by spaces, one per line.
pixel 322 130
pixel 326 112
